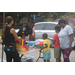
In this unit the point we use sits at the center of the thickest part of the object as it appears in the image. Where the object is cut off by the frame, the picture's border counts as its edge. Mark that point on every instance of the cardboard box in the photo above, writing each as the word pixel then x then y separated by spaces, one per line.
pixel 22 49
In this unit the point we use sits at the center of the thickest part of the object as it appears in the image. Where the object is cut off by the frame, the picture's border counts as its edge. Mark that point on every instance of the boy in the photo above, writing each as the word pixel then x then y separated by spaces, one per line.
pixel 46 48
pixel 57 51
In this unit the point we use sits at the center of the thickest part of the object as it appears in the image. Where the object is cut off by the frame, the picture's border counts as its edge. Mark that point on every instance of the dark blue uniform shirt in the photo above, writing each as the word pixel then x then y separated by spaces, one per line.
pixel 24 30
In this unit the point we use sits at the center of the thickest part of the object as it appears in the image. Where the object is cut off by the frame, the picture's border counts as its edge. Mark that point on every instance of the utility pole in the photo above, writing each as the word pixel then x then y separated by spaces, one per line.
pixel 34 18
pixel 3 19
pixel 3 27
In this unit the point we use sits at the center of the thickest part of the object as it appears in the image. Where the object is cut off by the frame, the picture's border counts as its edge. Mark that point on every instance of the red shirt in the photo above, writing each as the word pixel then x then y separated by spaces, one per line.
pixel 56 38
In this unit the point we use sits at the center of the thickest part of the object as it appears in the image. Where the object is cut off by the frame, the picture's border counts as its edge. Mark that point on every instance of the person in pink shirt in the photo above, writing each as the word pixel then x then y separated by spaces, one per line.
pixel 33 34
pixel 57 51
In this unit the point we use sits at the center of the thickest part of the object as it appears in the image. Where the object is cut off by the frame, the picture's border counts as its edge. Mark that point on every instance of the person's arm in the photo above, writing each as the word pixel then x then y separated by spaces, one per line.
pixel 12 31
pixel 30 37
pixel 71 40
pixel 30 34
pixel 70 32
pixel 50 45
pixel 33 34
pixel 53 41
pixel 23 36
pixel 44 47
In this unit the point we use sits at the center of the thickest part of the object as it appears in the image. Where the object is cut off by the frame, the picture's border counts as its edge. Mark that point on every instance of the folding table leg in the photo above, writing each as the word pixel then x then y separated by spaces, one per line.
pixel 39 56
pixel 21 56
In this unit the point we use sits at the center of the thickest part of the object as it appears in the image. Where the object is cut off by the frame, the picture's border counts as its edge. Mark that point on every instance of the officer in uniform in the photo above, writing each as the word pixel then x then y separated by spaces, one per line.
pixel 26 30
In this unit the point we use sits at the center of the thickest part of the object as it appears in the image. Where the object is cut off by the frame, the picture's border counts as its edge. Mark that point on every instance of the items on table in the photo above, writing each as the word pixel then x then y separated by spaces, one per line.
pixel 21 42
pixel 22 49
pixel 37 46
pixel 21 46
pixel 31 43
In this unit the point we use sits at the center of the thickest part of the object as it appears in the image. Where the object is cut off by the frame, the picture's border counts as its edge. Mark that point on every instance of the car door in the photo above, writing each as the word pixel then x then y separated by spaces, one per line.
pixel 71 21
pixel 49 29
pixel 38 30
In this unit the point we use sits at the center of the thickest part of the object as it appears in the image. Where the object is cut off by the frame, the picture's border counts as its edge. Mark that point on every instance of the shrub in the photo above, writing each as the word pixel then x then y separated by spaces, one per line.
pixel 45 20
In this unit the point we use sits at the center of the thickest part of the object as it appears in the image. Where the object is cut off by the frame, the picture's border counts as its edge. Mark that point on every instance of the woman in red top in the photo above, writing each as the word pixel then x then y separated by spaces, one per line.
pixel 57 51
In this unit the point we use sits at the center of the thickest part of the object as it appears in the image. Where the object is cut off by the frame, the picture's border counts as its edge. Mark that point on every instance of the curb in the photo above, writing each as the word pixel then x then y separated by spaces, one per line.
pixel 3 60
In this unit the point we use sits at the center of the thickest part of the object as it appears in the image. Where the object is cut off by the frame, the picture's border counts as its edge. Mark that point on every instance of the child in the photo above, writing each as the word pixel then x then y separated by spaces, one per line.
pixel 46 48
pixel 57 51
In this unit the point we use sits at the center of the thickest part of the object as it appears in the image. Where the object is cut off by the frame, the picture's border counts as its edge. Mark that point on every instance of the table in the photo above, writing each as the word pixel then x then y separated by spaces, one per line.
pixel 22 54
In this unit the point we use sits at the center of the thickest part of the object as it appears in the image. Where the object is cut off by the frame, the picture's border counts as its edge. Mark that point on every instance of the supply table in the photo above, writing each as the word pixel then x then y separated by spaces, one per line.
pixel 22 54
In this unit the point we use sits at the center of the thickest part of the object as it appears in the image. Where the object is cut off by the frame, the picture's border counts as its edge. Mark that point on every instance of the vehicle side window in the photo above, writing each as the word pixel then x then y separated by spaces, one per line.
pixel 57 21
pixel 39 26
pixel 71 21
pixel 50 26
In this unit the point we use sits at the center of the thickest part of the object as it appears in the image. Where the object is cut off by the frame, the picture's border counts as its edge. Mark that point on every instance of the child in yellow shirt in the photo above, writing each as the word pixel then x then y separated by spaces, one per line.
pixel 46 48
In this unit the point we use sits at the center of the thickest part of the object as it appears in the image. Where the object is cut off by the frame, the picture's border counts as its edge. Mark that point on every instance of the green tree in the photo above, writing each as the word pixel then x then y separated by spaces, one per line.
pixel 29 14
pixel 22 14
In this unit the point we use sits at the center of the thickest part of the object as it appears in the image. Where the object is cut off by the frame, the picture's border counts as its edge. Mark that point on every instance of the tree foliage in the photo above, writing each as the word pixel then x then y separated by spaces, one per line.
pixel 54 15
pixel 22 14
pixel 29 15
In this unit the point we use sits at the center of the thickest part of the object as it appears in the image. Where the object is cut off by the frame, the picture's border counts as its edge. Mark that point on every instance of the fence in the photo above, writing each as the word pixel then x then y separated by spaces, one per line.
pixel 18 25
pixel 15 25
pixel 39 19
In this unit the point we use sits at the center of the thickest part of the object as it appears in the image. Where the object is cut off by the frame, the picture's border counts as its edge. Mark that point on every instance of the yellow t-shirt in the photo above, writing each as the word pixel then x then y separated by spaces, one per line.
pixel 46 41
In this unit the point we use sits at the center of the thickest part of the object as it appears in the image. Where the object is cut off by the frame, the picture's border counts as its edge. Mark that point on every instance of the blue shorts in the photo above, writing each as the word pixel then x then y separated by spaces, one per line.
pixel 47 55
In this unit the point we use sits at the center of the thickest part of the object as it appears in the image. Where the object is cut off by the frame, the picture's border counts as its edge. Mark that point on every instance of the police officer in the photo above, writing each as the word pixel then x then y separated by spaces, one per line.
pixel 26 30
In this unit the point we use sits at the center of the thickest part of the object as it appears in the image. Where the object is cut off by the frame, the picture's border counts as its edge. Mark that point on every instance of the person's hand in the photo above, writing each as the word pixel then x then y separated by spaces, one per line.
pixel 40 49
pixel 19 38
pixel 70 48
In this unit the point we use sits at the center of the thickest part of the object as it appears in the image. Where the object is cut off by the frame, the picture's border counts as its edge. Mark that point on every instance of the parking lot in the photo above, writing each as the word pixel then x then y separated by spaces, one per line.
pixel 36 55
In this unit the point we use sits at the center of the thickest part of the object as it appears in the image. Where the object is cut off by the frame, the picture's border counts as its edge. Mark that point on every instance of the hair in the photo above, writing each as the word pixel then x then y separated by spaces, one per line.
pixel 31 22
pixel 45 35
pixel 62 21
pixel 57 28
pixel 8 20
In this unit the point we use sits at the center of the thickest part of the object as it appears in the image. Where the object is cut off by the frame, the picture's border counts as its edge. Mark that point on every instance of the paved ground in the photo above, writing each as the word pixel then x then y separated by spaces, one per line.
pixel 36 54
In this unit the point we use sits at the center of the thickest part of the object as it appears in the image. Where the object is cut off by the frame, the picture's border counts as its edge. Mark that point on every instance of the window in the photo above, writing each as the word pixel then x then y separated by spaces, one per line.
pixel 50 26
pixel 57 21
pixel 71 21
pixel 39 26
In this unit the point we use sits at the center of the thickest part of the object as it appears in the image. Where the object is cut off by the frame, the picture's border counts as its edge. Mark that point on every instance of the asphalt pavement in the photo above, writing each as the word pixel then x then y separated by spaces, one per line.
pixel 35 54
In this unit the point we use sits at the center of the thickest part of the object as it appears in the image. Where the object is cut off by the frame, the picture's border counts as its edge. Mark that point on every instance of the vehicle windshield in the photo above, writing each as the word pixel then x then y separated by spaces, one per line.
pixel 69 21
pixel 39 26
pixel 50 26
pixel 57 21
pixel 45 26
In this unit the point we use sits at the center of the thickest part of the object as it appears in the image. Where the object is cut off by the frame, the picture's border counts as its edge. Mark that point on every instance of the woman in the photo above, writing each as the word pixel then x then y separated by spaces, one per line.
pixel 70 24
pixel 66 39
pixel 8 36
